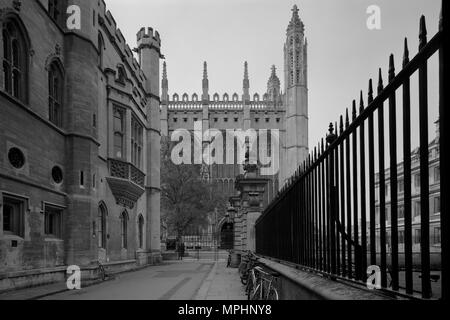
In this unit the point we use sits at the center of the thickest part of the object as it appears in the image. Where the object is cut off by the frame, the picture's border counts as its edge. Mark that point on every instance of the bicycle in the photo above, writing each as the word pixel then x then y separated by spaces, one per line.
pixel 247 263
pixel 101 271
pixel 260 285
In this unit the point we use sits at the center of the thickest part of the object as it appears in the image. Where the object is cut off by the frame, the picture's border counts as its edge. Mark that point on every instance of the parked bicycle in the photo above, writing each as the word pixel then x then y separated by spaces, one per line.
pixel 101 271
pixel 248 261
pixel 261 284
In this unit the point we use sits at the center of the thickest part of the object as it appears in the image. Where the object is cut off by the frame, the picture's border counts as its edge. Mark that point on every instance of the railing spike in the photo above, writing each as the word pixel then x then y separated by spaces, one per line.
pixel 341 125
pixel 336 126
pixel 406 54
pixel 391 68
pixel 370 99
pixel 380 81
pixel 422 33
pixel 315 154
pixel 361 103
pixel 322 146
pixel 354 110
pixel 347 120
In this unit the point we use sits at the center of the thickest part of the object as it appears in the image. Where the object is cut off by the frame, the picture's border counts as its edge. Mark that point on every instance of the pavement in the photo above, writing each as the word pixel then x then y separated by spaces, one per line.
pixel 222 284
pixel 174 280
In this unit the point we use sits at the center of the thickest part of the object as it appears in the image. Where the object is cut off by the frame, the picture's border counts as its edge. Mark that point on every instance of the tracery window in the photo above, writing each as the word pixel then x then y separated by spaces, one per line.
pixel 15 60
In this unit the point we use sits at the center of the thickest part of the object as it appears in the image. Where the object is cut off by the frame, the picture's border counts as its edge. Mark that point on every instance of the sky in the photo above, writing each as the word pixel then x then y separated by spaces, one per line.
pixel 342 54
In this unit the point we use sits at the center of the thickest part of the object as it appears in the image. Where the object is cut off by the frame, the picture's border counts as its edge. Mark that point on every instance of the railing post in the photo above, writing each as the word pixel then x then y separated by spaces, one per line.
pixel 424 168
pixel 332 203
pixel 444 82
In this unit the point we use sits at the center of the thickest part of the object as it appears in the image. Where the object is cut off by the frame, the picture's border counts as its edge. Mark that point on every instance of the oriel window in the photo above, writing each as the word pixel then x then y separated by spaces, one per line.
pixel 136 143
pixel 119 133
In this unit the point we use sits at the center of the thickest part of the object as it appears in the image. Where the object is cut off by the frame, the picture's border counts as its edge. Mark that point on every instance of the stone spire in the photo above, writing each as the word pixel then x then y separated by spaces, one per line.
pixel 246 84
pixel 295 24
pixel 205 96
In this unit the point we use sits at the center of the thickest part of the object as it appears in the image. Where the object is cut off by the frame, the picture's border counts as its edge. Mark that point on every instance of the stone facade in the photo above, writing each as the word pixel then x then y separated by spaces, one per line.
pixel 286 111
pixel 79 142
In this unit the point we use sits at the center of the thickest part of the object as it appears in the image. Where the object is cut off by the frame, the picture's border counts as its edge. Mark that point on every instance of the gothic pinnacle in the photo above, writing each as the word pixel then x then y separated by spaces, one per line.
pixel 245 70
pixel 246 80
pixel 205 70
pixel 164 71
pixel 295 20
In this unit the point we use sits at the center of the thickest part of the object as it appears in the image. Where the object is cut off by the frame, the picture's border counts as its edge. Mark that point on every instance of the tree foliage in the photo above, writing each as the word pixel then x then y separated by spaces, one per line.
pixel 186 199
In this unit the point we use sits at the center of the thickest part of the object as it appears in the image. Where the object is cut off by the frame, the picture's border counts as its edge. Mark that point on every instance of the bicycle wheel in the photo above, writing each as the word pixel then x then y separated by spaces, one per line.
pixel 255 294
pixel 242 268
pixel 248 289
pixel 273 294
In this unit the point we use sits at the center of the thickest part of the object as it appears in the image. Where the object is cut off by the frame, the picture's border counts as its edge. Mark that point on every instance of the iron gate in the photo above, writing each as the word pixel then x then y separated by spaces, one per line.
pixel 208 246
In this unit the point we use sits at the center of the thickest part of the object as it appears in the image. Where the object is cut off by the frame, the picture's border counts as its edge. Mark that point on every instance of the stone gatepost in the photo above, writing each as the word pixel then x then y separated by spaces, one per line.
pixel 251 188
pixel 235 211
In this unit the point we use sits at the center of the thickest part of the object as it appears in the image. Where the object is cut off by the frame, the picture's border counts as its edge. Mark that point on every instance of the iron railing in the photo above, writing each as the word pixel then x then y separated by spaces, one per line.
pixel 324 219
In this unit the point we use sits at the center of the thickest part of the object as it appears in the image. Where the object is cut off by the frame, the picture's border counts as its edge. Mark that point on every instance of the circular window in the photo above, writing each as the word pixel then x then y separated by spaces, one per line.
pixel 57 174
pixel 16 158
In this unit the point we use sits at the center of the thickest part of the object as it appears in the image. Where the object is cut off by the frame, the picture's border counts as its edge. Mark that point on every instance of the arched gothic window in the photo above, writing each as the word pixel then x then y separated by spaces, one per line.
pixel 55 90
pixel 124 229
pixel 101 233
pixel 122 75
pixel 141 231
pixel 101 47
pixel 15 60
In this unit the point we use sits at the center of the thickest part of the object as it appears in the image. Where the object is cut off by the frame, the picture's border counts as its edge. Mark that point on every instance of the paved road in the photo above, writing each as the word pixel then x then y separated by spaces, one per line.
pixel 170 281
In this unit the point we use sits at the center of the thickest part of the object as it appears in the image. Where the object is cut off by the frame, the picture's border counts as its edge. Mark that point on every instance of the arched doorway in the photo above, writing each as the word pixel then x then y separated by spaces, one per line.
pixel 227 236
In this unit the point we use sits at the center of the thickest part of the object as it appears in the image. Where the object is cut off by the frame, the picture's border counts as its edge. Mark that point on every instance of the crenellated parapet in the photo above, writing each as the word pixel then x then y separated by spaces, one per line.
pixel 221 102
pixel 109 27
pixel 148 37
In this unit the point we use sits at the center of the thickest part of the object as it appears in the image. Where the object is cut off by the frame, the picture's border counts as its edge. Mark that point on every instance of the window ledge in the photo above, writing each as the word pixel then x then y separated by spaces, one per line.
pixel 11 237
pixel 50 239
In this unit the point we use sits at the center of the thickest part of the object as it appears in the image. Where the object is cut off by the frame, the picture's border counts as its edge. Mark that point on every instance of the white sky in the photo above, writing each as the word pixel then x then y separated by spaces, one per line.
pixel 343 53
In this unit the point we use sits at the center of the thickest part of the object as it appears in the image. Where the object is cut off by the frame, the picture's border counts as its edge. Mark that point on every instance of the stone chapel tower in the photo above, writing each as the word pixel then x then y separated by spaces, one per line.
pixel 296 91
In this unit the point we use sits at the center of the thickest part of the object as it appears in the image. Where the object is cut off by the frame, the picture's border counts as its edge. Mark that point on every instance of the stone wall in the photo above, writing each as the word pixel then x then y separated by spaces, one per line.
pixel 81 146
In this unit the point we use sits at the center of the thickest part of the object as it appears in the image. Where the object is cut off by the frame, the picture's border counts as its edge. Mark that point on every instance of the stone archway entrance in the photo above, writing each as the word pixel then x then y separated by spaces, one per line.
pixel 227 236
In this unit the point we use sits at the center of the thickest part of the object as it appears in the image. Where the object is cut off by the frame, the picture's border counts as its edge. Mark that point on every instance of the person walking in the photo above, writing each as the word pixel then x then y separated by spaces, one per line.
pixel 181 251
